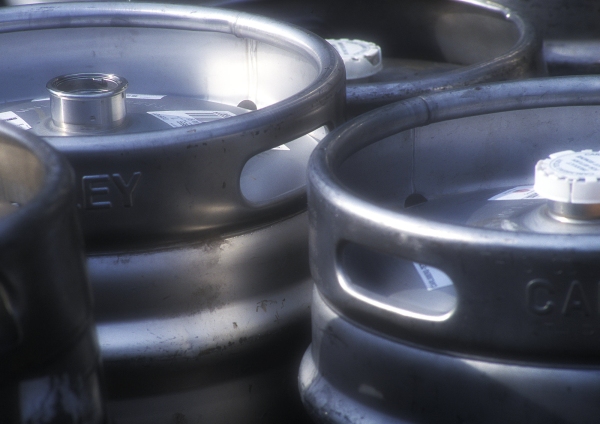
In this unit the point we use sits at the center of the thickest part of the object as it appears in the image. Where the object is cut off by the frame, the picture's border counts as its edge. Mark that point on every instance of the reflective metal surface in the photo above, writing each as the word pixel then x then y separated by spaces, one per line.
pixel 293 77
pixel 414 242
pixel 87 102
pixel 427 46
pixel 49 359
pixel 386 381
pixel 195 234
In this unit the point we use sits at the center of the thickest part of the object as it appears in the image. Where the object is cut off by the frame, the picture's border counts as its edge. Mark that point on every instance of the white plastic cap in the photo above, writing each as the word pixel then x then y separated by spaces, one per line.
pixel 569 177
pixel 361 58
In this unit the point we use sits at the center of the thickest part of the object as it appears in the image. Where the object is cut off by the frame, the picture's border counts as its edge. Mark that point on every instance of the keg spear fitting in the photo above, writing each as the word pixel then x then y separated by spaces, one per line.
pixel 87 101
pixel 571 182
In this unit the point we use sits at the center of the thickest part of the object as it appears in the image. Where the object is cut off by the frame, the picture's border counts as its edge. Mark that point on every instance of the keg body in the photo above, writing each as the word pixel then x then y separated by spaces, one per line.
pixel 192 207
pixel 440 251
pixel 49 350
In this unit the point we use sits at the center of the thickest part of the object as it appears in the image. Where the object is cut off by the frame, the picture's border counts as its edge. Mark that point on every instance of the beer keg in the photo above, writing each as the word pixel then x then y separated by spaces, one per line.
pixel 49 354
pixel 448 288
pixel 189 130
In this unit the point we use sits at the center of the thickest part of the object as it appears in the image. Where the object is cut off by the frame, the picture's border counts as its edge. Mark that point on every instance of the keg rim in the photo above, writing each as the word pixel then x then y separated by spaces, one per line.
pixel 516 62
pixel 67 87
pixel 56 189
pixel 193 18
pixel 378 124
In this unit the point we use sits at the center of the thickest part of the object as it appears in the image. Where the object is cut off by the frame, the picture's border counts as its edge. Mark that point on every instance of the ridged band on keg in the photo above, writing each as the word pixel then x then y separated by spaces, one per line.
pixel 361 58
pixel 512 285
pixel 87 101
pixel 345 377
pixel 569 177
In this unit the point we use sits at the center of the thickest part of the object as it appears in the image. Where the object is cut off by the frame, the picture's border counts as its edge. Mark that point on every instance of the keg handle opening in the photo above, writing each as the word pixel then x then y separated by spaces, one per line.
pixel 395 284
pixel 261 186
pixel 87 102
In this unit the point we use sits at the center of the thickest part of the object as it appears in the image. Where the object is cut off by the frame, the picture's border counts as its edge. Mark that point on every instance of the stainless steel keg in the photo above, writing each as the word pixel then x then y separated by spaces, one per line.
pixel 49 358
pixel 447 288
pixel 427 46
pixel 192 202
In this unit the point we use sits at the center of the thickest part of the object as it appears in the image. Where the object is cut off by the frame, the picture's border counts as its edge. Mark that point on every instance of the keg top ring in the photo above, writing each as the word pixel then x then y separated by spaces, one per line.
pixel 86 85
pixel 523 285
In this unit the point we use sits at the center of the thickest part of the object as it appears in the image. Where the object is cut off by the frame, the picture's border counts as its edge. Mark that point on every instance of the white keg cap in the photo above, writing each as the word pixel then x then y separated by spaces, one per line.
pixel 361 58
pixel 569 177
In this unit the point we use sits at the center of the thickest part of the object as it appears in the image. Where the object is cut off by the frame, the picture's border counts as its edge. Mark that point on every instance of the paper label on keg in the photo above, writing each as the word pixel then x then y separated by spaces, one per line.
pixel 433 278
pixel 517 193
pixel 144 96
pixel 13 118
pixel 184 118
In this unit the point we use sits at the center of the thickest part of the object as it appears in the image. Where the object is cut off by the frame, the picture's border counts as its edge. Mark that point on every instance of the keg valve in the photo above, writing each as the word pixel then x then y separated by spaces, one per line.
pixel 87 101
pixel 571 183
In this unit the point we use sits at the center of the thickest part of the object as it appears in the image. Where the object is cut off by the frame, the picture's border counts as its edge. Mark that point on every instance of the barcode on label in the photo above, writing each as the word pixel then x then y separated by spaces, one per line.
pixel 517 193
pixel 14 119
pixel 144 96
pixel 184 118
pixel 433 278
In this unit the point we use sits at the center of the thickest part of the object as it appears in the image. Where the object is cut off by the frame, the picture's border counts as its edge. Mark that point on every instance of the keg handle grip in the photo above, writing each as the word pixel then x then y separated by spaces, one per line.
pixel 383 232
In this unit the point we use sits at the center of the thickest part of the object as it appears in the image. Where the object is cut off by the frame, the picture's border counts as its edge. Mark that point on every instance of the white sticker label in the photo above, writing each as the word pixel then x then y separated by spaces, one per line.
pixel 576 164
pixel 183 118
pixel 517 193
pixel 43 99
pixel 282 147
pixel 13 118
pixel 433 278
pixel 144 96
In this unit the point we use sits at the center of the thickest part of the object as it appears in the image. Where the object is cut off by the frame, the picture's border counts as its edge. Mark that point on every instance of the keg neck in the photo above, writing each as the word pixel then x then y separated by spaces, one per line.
pixel 572 212
pixel 87 102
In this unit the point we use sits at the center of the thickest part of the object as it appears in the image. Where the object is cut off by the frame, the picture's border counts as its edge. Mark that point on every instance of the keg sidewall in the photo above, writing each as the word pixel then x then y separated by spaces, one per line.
pixel 350 372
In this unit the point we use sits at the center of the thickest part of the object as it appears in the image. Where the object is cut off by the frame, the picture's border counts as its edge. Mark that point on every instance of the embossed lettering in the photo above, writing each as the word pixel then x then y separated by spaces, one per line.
pixel 126 189
pixel 94 186
pixel 539 296
pixel 99 191
pixel 571 299
pixel 576 301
